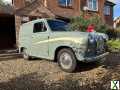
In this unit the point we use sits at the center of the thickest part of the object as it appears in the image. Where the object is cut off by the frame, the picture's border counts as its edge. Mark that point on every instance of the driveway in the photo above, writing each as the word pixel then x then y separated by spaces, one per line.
pixel 19 74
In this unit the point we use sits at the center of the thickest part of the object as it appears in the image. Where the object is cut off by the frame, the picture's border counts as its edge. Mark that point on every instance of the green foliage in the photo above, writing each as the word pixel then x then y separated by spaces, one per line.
pixel 81 23
pixel 114 45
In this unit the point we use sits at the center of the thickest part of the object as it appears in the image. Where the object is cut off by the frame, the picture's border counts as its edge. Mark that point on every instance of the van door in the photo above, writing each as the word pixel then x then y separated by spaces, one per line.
pixel 40 39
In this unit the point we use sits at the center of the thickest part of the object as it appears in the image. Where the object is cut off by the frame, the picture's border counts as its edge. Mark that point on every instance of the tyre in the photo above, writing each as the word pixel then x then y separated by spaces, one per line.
pixel 25 54
pixel 66 60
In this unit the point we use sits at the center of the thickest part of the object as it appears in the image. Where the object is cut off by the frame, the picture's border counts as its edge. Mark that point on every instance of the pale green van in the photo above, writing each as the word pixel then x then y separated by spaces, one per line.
pixel 53 40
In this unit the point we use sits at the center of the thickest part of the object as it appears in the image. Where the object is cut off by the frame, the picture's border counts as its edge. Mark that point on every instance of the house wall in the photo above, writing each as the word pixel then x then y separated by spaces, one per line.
pixel 18 3
pixel 74 10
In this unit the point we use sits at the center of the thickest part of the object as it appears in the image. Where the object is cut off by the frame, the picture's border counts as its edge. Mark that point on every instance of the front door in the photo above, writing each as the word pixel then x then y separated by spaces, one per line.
pixel 40 38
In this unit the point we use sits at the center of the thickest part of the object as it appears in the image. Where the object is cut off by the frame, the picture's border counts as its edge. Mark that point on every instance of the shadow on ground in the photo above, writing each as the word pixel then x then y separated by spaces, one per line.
pixel 34 82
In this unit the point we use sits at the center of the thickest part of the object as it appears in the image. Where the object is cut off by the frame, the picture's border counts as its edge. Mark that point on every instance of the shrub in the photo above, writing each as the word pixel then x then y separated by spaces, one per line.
pixel 114 45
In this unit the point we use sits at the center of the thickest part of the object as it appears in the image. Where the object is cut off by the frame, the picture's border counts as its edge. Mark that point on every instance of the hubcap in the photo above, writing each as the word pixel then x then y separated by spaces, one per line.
pixel 65 60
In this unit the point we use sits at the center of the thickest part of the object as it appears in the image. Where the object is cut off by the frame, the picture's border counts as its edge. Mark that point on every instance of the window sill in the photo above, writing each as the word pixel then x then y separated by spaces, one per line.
pixel 93 10
pixel 107 15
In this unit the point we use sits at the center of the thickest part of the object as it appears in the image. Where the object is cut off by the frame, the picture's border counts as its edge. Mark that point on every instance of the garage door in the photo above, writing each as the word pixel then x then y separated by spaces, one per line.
pixel 7 31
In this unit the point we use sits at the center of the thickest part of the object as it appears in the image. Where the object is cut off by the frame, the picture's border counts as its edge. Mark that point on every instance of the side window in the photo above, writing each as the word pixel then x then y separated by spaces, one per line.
pixel 39 27
pixel 107 10
pixel 92 5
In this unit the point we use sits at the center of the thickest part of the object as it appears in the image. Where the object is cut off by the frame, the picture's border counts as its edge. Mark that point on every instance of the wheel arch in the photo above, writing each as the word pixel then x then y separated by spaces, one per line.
pixel 60 48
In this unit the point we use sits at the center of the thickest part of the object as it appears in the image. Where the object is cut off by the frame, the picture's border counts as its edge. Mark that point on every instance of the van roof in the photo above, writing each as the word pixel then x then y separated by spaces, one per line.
pixel 38 20
pixel 34 21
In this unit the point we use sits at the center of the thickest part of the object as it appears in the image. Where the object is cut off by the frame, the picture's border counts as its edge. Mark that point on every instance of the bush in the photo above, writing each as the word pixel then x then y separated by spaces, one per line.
pixel 114 45
pixel 82 22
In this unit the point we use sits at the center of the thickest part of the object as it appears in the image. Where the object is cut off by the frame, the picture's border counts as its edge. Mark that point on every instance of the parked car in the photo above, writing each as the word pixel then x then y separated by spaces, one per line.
pixel 53 40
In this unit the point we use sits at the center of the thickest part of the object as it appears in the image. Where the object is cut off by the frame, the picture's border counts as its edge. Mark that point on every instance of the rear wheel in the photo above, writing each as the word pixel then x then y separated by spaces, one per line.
pixel 25 54
pixel 66 60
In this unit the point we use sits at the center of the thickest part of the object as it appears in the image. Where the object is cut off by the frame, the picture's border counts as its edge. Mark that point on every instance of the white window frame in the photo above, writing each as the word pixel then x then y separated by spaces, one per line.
pixel 67 4
pixel 107 10
pixel 91 8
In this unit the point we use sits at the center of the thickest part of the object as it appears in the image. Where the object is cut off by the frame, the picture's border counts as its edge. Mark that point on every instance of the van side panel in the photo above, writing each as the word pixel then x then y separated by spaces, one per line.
pixel 25 36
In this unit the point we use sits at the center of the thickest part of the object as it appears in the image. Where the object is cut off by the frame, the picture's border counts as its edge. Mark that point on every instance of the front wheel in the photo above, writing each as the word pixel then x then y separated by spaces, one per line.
pixel 66 60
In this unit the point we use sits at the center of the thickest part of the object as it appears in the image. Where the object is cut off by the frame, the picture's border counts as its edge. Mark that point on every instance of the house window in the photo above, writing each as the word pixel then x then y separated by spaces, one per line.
pixel 92 5
pixel 107 10
pixel 65 2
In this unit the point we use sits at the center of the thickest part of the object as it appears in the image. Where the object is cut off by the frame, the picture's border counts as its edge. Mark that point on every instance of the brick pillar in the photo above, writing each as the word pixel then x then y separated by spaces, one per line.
pixel 18 3
pixel 17 25
pixel 101 9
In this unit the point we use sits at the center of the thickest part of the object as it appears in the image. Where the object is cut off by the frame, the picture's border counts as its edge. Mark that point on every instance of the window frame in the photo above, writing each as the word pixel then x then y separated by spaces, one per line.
pixel 92 8
pixel 107 10
pixel 66 3
pixel 44 27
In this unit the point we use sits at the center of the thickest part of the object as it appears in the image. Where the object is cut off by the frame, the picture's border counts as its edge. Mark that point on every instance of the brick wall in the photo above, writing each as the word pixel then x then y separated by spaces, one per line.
pixel 17 25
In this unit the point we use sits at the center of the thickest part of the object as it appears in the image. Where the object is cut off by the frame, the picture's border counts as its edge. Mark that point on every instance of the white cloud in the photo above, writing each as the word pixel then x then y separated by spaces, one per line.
pixel 7 1
pixel 117 1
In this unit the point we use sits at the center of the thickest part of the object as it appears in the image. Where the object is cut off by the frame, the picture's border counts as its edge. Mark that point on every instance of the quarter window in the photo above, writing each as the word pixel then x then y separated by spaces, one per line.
pixel 107 10
pixel 39 27
pixel 65 2
pixel 92 5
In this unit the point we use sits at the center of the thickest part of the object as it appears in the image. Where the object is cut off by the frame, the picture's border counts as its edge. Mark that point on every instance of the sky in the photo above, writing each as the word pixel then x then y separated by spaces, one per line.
pixel 116 8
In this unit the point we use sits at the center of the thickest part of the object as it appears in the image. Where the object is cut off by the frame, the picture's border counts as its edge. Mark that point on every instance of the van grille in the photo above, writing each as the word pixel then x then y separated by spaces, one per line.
pixel 97 47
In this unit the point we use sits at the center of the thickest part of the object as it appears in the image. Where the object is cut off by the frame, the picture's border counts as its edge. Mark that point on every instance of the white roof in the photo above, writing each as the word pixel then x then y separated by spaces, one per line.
pixel 113 1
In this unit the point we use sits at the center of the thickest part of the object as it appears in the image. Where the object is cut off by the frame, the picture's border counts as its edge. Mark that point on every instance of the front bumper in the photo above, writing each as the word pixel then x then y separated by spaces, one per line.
pixel 91 59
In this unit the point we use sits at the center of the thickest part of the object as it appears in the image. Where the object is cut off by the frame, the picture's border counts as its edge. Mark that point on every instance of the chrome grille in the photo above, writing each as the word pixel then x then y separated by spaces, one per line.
pixel 100 48
pixel 97 47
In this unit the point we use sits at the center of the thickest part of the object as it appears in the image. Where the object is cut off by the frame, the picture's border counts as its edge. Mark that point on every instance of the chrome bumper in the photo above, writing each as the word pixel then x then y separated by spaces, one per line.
pixel 91 59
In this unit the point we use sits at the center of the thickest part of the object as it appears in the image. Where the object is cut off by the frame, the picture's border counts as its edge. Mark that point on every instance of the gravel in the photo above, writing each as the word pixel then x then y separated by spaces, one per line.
pixel 20 74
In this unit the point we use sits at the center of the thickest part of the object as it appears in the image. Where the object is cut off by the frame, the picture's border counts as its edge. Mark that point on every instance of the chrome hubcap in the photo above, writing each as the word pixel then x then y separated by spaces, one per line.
pixel 65 60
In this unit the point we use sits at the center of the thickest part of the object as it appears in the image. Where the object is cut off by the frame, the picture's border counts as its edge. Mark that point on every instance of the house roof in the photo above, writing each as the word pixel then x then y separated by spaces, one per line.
pixel 117 19
pixel 36 8
pixel 117 22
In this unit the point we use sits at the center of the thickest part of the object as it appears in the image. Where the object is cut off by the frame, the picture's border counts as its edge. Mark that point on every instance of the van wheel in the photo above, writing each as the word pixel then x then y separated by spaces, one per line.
pixel 25 55
pixel 66 60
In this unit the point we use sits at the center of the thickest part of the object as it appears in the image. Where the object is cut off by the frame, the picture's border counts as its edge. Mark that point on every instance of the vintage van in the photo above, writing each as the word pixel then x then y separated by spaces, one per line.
pixel 53 40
